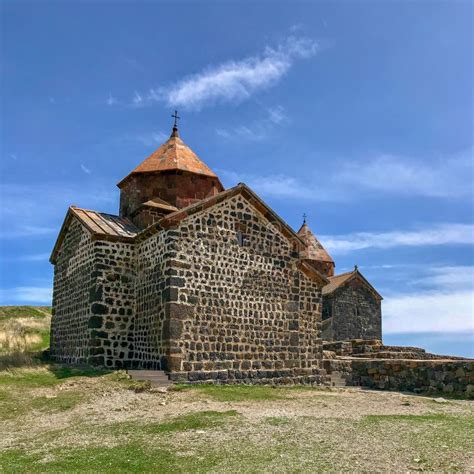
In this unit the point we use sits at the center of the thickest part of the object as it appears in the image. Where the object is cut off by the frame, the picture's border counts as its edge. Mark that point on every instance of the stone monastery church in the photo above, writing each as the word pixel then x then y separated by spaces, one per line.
pixel 200 281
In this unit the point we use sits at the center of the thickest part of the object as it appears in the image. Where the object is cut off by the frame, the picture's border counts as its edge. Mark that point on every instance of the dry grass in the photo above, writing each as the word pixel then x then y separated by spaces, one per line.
pixel 54 419
pixel 24 333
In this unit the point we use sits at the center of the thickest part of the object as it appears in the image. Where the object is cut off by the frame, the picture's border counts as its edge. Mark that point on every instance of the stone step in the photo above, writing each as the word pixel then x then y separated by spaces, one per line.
pixel 387 355
pixel 337 380
pixel 157 378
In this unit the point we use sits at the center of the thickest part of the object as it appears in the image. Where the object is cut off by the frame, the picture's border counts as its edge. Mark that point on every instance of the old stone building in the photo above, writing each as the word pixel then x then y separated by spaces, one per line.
pixel 351 308
pixel 202 282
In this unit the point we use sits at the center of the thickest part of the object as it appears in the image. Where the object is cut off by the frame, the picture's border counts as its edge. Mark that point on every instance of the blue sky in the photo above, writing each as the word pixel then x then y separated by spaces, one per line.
pixel 359 114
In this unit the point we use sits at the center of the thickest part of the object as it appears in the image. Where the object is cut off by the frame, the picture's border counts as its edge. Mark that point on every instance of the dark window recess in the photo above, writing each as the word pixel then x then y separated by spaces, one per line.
pixel 240 238
pixel 327 313
pixel 356 311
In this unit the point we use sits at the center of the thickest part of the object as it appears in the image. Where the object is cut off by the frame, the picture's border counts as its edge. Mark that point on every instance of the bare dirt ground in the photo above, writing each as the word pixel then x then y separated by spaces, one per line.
pixel 103 424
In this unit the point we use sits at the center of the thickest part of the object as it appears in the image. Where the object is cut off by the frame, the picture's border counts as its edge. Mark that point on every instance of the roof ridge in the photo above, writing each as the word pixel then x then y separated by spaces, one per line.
pixel 173 154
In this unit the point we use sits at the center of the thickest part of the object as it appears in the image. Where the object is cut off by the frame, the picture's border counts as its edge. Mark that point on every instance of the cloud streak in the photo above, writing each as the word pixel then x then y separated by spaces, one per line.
pixel 232 81
pixel 390 175
pixel 439 234
pixel 26 294
pixel 442 177
pixel 258 130
pixel 434 311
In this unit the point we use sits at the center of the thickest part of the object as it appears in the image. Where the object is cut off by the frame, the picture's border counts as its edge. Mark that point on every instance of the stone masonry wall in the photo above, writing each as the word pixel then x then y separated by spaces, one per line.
pixel 177 188
pixel 93 301
pixel 454 377
pixel 112 298
pixel 355 313
pixel 152 293
pixel 238 308
pixel 70 335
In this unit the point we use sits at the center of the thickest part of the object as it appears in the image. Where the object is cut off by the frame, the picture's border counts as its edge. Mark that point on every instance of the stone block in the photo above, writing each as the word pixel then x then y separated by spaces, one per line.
pixel 99 308
pixel 95 322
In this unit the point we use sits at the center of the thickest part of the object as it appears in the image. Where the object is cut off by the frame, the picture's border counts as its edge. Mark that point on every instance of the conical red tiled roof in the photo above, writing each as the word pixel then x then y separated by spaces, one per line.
pixel 314 250
pixel 174 154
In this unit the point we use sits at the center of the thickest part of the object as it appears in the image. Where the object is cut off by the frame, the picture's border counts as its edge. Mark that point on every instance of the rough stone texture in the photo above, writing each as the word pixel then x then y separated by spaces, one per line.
pixel 112 302
pixel 374 349
pixel 93 301
pixel 146 216
pixel 178 188
pixel 73 281
pixel 454 377
pixel 239 307
pixel 219 296
pixel 152 292
pixel 350 312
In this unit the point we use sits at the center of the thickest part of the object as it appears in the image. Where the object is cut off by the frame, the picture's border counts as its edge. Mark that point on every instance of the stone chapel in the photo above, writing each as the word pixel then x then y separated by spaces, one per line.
pixel 200 281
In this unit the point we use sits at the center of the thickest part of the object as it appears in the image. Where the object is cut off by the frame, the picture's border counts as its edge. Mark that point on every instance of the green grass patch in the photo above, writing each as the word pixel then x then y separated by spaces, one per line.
pixel 239 393
pixel 12 407
pixel 414 419
pixel 9 312
pixel 129 457
pixel 277 420
pixel 200 420
pixel 45 376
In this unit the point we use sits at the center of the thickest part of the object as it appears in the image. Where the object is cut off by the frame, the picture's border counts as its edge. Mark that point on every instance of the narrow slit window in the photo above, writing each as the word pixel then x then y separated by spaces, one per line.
pixel 240 238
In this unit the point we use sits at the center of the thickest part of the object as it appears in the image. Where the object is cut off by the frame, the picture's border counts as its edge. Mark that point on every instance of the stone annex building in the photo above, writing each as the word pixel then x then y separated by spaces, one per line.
pixel 200 281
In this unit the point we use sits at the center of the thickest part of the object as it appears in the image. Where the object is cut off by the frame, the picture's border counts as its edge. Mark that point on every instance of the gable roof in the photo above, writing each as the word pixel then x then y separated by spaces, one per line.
pixel 99 224
pixel 338 281
pixel 175 218
pixel 174 154
pixel 314 250
pixel 111 227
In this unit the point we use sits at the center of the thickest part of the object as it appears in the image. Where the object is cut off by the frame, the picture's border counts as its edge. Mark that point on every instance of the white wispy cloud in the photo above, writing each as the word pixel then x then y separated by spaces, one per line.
pixel 23 215
pixel 449 176
pixel 389 175
pixel 455 277
pixel 437 299
pixel 26 294
pixel 277 185
pixel 137 98
pixel 150 138
pixel 85 169
pixel 233 81
pixel 437 234
pixel 35 257
pixel 258 129
pixel 430 311
pixel 24 230
pixel 424 298
pixel 111 100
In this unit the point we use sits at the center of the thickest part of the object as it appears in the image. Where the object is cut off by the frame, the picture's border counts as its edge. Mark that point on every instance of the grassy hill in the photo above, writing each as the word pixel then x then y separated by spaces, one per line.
pixel 23 330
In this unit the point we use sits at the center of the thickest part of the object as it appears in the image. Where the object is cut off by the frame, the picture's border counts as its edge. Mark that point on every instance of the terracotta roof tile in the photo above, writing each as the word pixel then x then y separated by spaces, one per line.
pixel 314 250
pixel 337 281
pixel 174 154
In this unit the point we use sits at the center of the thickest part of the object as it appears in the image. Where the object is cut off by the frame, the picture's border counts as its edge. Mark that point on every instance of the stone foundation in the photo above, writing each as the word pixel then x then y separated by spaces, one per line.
pixel 254 377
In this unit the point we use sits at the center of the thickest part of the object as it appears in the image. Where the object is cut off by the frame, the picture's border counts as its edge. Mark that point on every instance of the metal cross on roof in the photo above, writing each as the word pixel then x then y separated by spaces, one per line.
pixel 304 218
pixel 176 118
